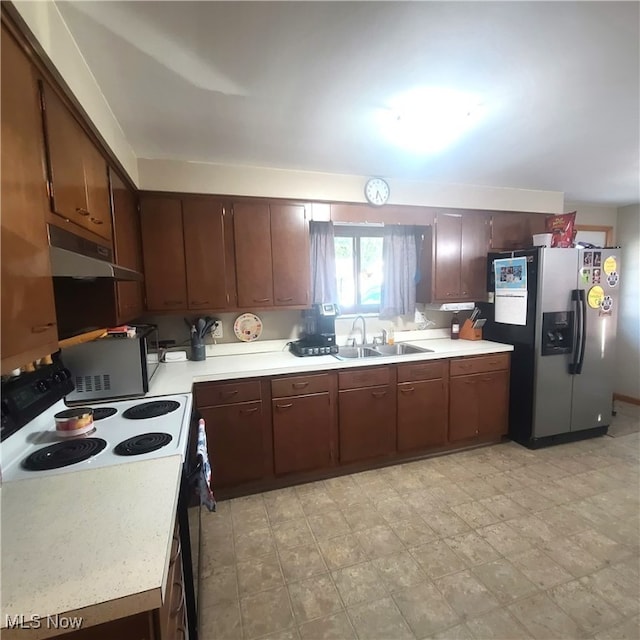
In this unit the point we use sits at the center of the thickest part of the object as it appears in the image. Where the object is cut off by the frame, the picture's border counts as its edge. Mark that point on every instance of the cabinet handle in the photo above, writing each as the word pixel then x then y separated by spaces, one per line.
pixel 449 293
pixel 465 366
pixel 487 379
pixel 285 406
pixel 284 299
pixel 407 389
pixel 82 212
pixel 229 393
pixel 180 590
pixel 261 299
pixel 378 394
pixel 96 220
pixel 172 302
pixel 465 293
pixel 252 410
pixel 300 385
pixel 199 302
pixel 41 328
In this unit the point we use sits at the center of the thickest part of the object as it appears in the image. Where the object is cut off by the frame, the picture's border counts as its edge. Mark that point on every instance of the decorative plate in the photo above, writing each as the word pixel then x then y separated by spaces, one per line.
pixel 247 327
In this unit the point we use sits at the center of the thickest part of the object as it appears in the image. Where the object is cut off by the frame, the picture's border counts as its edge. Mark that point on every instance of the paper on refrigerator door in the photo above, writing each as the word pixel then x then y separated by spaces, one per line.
pixel 511 290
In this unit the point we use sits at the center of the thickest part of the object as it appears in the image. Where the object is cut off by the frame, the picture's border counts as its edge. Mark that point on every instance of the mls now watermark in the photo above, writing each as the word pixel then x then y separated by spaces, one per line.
pixel 34 621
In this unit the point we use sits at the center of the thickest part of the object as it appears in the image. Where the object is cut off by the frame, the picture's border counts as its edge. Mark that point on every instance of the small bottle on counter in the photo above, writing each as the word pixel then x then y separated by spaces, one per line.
pixel 455 326
pixel 390 336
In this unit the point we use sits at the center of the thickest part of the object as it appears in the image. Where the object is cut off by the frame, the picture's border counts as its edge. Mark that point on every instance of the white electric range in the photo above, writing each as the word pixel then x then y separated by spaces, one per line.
pixel 125 431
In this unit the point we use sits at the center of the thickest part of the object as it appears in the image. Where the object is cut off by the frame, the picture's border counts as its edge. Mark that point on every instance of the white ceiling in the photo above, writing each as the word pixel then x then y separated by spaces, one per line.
pixel 295 85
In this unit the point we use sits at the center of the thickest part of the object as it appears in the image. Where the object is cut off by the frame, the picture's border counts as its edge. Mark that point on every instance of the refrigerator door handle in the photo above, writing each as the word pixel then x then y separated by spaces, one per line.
pixel 583 329
pixel 577 296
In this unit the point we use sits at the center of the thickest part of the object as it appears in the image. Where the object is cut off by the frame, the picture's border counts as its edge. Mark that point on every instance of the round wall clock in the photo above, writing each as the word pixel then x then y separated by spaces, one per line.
pixel 376 191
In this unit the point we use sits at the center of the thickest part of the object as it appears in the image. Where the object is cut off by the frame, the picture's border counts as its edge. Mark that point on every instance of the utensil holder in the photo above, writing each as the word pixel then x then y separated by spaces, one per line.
pixel 198 350
pixel 467 332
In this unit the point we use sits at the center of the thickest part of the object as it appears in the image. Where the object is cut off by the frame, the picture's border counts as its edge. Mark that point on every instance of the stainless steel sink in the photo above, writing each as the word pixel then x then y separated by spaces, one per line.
pixel 373 351
pixel 348 353
pixel 399 349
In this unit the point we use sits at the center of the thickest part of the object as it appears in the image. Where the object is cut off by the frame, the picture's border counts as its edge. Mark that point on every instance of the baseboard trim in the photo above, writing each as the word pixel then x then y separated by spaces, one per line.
pixel 623 398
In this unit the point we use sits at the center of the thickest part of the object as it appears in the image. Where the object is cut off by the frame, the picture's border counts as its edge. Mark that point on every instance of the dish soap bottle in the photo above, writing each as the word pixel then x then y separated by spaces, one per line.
pixel 390 336
pixel 455 326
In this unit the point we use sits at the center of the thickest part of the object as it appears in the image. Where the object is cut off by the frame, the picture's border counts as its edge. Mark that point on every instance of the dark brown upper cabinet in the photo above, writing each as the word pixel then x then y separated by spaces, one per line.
pixel 79 183
pixel 163 251
pixel 29 329
pixel 515 230
pixel 208 241
pixel 272 254
pixel 454 258
pixel 127 243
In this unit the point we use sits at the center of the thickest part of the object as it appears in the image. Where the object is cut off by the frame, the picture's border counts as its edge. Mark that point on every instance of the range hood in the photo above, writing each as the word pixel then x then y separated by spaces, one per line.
pixel 450 306
pixel 75 257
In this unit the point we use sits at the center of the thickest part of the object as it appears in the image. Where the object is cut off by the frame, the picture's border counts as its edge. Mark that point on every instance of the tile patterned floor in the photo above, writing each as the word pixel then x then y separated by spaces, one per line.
pixel 499 542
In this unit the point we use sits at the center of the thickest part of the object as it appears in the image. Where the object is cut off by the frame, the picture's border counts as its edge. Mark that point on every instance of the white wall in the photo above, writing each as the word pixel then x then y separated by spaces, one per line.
pixel 593 214
pixel 628 341
pixel 200 177
pixel 47 25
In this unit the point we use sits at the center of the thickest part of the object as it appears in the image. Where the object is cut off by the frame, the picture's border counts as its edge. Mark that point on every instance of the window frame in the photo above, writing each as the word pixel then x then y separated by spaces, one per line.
pixel 356 232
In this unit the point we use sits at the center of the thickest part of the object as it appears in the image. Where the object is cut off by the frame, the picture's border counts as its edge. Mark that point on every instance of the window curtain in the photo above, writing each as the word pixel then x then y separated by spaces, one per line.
pixel 400 270
pixel 324 286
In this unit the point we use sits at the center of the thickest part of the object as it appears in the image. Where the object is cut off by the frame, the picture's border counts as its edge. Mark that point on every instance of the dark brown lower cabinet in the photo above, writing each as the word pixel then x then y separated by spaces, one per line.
pixel 422 414
pixel 302 433
pixel 479 405
pixel 367 423
pixel 236 442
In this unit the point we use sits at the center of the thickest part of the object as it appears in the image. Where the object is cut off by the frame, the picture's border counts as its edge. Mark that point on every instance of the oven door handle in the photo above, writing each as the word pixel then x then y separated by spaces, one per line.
pixel 194 473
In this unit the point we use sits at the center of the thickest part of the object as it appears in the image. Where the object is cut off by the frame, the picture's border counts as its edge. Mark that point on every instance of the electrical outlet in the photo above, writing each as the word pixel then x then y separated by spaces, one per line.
pixel 216 331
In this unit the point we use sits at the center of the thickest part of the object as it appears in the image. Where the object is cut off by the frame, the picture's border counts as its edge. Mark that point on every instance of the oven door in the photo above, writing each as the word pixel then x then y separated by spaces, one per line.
pixel 190 519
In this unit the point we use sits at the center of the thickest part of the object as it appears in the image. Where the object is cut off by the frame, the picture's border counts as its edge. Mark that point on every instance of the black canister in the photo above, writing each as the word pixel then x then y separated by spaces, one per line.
pixel 198 350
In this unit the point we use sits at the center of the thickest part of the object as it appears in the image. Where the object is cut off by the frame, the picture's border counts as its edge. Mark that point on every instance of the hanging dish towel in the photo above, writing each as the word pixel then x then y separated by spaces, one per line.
pixel 204 480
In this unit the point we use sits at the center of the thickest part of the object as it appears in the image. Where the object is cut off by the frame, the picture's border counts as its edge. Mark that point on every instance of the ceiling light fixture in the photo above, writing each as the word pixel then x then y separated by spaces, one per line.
pixel 429 119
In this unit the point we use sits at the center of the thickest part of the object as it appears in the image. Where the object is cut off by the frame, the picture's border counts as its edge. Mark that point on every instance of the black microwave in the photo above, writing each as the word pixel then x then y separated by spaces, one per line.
pixel 113 367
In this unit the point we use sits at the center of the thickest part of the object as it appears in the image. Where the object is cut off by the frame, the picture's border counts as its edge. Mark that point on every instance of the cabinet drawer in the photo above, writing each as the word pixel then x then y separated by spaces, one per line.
pixel 299 385
pixel 363 378
pixel 479 365
pixel 212 395
pixel 422 371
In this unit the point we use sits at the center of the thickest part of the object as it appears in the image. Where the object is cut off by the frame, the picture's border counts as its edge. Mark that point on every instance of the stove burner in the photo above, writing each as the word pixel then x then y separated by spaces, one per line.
pixel 103 412
pixel 63 454
pixel 144 443
pixel 150 409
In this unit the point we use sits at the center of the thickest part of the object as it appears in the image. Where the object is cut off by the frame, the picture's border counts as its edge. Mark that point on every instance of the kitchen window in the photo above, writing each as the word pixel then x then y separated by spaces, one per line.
pixel 359 268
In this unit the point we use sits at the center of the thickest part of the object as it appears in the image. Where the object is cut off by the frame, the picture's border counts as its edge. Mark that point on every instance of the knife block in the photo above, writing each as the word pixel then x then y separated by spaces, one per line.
pixel 467 332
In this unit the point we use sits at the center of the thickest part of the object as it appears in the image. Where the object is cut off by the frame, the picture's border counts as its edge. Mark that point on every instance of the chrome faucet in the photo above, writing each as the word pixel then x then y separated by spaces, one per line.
pixel 364 328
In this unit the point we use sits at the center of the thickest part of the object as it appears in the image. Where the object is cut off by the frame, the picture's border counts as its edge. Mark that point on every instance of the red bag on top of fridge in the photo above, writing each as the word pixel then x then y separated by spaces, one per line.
pixel 562 229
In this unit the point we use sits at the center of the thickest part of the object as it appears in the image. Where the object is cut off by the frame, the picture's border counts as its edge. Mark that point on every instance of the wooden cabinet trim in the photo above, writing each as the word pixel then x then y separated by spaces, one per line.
pixel 299 385
pixel 466 366
pixel 213 394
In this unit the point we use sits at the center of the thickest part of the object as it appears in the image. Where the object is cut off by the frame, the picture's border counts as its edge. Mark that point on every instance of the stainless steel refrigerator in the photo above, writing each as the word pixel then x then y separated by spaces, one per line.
pixel 561 319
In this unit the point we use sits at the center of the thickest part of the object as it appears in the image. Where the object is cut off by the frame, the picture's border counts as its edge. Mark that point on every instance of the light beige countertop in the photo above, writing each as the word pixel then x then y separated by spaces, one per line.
pixel 92 543
pixel 178 377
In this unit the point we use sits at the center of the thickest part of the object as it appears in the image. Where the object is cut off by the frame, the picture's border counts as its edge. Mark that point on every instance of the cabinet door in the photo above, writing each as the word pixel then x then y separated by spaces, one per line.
pixel 302 433
pixel 515 230
pixel 209 267
pixel 479 405
pixel 97 189
pixel 448 243
pixel 252 238
pixel 163 251
pixel 367 423
pixel 128 248
pixel 290 250
pixel 473 256
pixel 493 402
pixel 235 437
pixel 29 328
pixel 422 414
pixel 65 152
